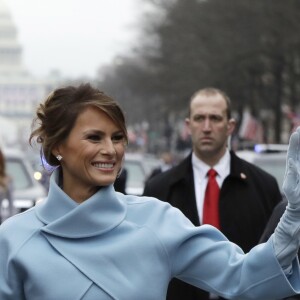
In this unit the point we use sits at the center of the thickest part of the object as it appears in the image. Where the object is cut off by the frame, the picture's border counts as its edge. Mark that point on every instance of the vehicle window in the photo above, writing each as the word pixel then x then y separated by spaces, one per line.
pixel 16 170
pixel 274 167
pixel 135 174
pixel 151 164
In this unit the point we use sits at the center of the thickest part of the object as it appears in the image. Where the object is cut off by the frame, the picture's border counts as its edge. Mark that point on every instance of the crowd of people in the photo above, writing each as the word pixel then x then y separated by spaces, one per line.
pixel 191 236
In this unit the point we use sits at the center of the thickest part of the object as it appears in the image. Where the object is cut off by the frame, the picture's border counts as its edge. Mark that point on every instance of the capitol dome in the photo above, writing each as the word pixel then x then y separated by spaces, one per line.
pixel 10 49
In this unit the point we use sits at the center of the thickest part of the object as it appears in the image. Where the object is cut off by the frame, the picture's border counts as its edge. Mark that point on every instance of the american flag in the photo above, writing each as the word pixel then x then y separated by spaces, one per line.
pixel 251 129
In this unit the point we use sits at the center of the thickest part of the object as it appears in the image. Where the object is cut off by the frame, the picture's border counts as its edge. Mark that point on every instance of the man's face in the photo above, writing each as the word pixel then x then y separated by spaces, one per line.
pixel 209 126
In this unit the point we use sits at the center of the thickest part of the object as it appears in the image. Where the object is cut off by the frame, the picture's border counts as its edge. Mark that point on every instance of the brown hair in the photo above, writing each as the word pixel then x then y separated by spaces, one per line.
pixel 56 117
pixel 211 91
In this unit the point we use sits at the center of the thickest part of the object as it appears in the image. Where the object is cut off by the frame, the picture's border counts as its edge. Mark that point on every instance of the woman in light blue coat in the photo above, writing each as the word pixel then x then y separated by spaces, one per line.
pixel 88 242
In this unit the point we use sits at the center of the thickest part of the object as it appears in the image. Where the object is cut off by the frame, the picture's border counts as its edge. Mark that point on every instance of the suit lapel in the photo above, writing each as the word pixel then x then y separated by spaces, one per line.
pixel 183 190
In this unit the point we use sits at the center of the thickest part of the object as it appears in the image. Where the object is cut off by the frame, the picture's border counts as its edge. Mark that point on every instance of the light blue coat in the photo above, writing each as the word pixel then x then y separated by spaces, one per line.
pixel 114 246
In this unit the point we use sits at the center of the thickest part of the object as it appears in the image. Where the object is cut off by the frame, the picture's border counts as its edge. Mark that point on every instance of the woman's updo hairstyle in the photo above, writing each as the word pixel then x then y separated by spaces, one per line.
pixel 56 117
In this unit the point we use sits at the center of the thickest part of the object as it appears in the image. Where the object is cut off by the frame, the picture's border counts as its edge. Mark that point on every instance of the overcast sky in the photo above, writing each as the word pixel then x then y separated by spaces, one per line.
pixel 74 36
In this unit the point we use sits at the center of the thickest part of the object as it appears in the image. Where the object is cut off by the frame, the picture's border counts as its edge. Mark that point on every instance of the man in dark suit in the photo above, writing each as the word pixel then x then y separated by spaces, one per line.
pixel 247 194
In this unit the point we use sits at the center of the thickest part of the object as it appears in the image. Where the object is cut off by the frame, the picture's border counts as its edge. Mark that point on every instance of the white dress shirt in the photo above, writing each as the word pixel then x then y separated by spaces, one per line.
pixel 200 170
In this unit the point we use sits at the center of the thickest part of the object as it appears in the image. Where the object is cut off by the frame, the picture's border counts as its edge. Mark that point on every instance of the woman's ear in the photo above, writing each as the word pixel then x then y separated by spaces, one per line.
pixel 55 151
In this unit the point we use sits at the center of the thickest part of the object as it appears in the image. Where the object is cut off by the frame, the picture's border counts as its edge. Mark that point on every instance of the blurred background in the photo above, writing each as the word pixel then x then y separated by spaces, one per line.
pixel 151 56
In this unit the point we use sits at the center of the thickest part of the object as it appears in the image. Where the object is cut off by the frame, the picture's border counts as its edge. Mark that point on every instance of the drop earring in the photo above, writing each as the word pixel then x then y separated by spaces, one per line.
pixel 58 157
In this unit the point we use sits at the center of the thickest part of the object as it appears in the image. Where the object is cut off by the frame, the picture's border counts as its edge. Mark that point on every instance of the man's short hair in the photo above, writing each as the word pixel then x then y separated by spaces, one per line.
pixel 211 91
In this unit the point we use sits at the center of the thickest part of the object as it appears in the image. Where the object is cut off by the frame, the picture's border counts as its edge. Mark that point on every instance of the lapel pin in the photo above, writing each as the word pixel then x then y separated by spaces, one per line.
pixel 243 176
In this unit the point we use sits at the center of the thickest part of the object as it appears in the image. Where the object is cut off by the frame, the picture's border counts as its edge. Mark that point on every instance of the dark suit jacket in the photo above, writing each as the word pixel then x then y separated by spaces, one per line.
pixel 120 182
pixel 247 198
pixel 273 220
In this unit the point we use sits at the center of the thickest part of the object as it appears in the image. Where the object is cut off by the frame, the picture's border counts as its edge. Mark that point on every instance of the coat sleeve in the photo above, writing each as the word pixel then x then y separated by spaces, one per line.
pixel 202 256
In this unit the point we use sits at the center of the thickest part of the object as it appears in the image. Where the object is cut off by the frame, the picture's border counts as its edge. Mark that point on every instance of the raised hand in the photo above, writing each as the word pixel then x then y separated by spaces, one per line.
pixel 291 184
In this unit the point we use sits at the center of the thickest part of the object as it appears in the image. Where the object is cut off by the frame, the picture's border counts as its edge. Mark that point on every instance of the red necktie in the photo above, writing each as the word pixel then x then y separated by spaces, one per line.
pixel 211 200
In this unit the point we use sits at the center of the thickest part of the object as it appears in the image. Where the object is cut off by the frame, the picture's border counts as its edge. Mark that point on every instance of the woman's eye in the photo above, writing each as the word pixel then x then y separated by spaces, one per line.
pixel 94 137
pixel 118 138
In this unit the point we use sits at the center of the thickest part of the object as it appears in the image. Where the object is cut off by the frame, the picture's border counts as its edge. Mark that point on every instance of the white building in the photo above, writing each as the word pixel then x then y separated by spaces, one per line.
pixel 20 92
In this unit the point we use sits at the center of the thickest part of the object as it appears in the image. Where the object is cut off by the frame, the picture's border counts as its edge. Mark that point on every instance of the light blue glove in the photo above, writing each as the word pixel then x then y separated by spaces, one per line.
pixel 286 238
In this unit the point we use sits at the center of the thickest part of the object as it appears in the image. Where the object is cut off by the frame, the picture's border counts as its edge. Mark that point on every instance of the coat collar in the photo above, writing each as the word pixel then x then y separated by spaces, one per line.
pixel 185 169
pixel 63 217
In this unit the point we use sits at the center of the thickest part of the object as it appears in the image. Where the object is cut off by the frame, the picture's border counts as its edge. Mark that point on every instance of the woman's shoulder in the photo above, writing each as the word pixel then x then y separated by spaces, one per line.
pixel 20 226
pixel 147 210
pixel 137 200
